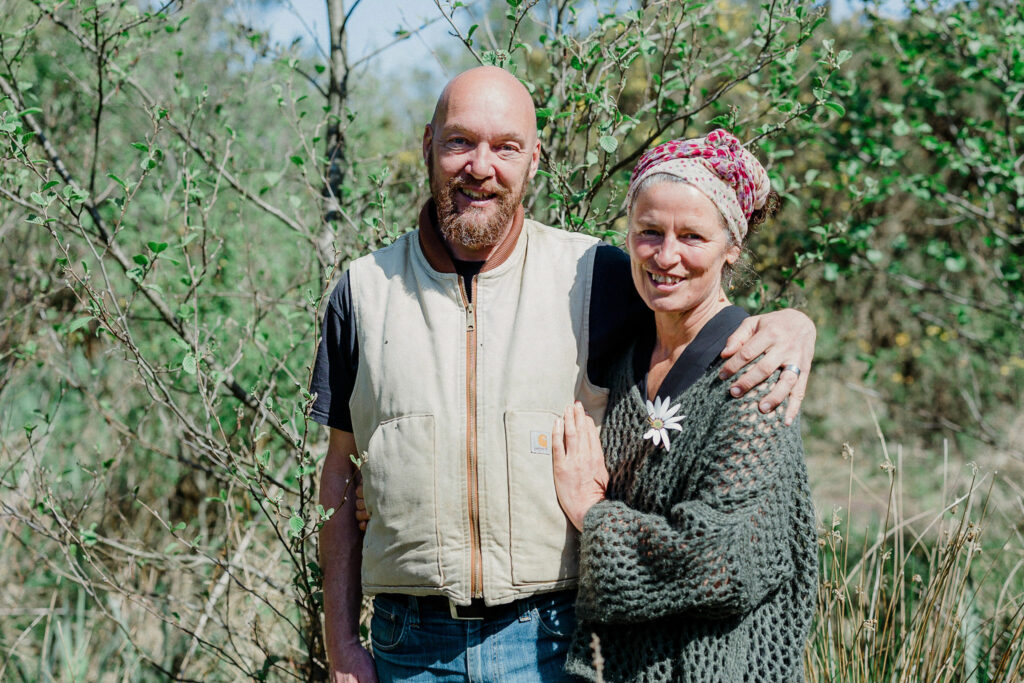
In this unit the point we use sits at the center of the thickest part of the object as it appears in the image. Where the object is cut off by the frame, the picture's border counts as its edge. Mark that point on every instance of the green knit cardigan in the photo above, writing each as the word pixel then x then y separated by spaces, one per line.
pixel 701 564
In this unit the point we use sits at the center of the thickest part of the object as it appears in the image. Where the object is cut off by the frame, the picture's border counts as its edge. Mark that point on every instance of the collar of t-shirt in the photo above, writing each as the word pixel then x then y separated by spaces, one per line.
pixel 468 269
pixel 695 359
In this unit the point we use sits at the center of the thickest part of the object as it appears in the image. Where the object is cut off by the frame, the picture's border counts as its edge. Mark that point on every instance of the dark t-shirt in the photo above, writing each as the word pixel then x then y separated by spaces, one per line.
pixel 617 316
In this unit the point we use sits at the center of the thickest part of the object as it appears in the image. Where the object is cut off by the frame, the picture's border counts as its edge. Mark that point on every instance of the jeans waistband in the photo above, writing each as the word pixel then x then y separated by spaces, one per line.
pixel 477 609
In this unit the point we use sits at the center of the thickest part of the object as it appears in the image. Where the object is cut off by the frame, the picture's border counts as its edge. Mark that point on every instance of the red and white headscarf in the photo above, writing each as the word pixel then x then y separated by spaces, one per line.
pixel 717 165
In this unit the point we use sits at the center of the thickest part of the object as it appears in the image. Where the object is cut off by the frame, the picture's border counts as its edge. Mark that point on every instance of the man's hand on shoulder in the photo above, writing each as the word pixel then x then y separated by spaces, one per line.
pixel 783 339
pixel 353 665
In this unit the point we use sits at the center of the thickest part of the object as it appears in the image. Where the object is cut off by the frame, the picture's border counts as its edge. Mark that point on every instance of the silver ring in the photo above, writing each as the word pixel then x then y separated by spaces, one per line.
pixel 792 367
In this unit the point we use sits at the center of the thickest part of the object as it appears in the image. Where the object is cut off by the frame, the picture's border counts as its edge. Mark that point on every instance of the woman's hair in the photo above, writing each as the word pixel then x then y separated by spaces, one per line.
pixel 772 204
pixel 742 268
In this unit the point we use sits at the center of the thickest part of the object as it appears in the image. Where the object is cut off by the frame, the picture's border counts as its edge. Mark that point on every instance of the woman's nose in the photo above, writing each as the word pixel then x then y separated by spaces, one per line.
pixel 667 254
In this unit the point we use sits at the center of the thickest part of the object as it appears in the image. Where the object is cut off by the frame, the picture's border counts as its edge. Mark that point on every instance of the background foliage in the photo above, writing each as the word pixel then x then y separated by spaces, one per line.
pixel 177 194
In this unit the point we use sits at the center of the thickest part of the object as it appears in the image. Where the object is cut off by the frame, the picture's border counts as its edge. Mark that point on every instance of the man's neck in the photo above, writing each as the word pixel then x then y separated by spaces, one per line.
pixel 464 253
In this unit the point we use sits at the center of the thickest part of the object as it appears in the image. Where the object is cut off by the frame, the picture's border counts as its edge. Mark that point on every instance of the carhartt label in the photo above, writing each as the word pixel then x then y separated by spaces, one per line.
pixel 540 442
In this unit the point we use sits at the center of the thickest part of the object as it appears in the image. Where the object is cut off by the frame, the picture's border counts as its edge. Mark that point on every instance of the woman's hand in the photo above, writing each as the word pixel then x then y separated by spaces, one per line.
pixel 578 461
pixel 362 514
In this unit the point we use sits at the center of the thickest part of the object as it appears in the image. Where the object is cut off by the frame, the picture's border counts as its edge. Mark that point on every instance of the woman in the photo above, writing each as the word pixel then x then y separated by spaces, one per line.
pixel 698 556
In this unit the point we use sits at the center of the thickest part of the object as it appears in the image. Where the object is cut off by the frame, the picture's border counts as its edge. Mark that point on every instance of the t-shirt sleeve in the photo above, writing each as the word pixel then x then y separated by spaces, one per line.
pixel 617 313
pixel 334 371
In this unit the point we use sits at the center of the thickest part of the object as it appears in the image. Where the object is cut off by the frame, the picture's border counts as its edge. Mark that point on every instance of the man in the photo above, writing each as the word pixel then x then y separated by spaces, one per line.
pixel 445 360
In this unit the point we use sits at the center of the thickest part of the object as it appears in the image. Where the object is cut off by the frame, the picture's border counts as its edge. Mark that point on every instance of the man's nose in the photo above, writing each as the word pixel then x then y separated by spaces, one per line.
pixel 481 163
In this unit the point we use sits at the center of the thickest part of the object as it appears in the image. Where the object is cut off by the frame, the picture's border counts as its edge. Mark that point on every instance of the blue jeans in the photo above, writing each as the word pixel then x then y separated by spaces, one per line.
pixel 528 641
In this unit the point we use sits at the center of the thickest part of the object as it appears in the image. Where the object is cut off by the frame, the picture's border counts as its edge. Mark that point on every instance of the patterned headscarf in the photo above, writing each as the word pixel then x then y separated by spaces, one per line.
pixel 717 165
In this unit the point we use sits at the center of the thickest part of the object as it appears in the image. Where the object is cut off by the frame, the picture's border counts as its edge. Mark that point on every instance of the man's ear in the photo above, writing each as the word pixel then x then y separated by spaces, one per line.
pixel 428 139
pixel 535 160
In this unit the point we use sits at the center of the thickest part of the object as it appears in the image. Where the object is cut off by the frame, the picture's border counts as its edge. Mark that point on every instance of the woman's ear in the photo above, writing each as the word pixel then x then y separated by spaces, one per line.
pixel 732 254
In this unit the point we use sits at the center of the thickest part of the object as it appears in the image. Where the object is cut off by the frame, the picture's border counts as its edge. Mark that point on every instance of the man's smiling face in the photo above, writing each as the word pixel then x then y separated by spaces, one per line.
pixel 481 150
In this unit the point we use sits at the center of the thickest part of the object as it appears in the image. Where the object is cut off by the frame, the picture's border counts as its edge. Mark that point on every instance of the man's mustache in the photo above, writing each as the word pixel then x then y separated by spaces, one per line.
pixel 459 183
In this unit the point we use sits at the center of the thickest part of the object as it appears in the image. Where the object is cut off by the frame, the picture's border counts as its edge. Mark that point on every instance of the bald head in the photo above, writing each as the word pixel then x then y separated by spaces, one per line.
pixel 489 88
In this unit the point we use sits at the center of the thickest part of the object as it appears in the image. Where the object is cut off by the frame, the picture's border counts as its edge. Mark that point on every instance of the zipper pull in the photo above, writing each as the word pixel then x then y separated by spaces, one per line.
pixel 470 317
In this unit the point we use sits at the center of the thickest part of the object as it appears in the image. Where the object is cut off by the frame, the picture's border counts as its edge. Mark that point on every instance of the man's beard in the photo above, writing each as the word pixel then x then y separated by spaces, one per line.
pixel 470 228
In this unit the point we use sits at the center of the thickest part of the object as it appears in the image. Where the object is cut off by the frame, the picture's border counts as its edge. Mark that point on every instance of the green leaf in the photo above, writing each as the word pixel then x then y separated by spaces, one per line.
pixel 955 264
pixel 297 160
pixel 123 184
pixel 295 526
pixel 156 247
pixel 608 143
pixel 836 107
pixel 141 259
pixel 79 323
pixel 89 536
pixel 188 364
pixel 39 199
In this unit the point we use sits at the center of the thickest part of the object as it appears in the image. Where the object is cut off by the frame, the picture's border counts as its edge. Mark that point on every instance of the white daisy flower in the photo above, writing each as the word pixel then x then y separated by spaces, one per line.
pixel 662 417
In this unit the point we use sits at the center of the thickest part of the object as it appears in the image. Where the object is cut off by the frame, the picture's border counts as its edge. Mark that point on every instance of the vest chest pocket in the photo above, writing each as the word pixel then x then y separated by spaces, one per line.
pixel 399 482
pixel 544 545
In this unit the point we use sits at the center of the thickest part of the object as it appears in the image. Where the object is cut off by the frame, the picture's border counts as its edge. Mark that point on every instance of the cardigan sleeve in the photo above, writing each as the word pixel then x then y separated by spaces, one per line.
pixel 715 556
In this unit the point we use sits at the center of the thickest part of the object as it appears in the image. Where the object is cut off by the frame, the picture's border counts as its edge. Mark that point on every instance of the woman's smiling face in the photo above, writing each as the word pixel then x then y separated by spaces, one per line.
pixel 677 247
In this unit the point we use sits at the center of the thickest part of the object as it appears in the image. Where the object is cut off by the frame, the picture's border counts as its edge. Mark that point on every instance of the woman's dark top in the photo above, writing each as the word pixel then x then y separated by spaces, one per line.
pixel 701 564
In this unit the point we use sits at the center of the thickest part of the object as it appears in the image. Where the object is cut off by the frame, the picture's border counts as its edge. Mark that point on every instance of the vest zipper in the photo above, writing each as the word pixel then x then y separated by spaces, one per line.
pixel 476 556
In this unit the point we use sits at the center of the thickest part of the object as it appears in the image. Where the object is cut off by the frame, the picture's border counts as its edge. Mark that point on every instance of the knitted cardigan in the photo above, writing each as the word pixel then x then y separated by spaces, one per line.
pixel 701 564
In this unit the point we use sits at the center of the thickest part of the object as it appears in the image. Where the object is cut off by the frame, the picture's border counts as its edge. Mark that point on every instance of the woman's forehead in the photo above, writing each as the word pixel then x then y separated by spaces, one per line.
pixel 673 199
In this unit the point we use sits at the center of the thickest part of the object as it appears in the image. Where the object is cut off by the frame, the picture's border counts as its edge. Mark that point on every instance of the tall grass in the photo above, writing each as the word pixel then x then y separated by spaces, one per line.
pixel 913 597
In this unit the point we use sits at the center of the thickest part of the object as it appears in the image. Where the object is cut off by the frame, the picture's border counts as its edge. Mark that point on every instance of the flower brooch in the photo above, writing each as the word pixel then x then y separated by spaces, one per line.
pixel 662 417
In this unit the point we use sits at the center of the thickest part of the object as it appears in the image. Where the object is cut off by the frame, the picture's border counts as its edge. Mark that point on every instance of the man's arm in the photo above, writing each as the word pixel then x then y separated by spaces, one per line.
pixel 785 337
pixel 341 555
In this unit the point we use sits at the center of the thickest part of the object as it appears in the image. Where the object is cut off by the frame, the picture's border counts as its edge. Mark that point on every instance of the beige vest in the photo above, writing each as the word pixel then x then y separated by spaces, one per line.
pixel 454 407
